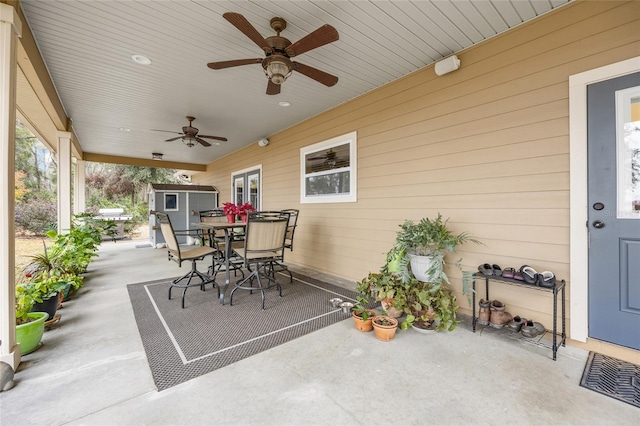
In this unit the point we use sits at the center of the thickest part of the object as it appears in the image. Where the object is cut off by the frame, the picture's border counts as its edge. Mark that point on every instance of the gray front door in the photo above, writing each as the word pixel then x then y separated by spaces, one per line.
pixel 614 210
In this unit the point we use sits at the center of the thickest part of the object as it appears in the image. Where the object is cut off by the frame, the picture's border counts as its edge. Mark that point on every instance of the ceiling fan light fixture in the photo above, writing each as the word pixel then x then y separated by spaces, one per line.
pixel 277 68
pixel 189 141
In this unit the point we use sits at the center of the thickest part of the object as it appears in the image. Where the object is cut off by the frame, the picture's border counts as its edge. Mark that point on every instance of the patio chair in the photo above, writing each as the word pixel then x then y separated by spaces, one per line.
pixel 179 255
pixel 263 245
pixel 216 240
pixel 288 242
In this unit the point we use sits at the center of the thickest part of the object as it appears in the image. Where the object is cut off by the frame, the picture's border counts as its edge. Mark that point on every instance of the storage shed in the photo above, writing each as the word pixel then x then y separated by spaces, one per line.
pixel 182 203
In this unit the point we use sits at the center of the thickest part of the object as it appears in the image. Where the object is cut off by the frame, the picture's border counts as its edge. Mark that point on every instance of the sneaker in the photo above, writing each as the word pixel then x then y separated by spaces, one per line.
pixel 532 329
pixel 516 324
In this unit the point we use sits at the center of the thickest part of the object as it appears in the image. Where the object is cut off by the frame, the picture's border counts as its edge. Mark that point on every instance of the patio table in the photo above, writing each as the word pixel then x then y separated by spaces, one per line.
pixel 228 229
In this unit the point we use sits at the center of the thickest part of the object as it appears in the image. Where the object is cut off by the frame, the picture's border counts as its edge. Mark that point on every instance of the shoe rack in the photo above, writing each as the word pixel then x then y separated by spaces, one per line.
pixel 557 289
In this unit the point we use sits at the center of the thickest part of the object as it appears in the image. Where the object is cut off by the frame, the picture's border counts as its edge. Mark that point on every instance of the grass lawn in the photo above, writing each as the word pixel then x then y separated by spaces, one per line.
pixel 25 247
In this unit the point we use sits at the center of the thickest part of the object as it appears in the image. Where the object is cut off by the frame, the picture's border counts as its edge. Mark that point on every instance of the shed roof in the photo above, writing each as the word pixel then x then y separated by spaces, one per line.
pixel 177 187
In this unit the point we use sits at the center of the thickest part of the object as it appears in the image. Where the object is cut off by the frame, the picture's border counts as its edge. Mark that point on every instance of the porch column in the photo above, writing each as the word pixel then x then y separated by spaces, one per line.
pixel 64 182
pixel 10 30
pixel 79 188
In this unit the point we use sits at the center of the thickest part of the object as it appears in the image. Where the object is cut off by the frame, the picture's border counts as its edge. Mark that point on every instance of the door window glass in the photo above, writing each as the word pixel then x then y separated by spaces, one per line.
pixel 628 152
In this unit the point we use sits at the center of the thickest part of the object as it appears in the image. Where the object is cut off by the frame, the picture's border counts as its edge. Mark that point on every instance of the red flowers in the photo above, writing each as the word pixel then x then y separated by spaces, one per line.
pixel 231 208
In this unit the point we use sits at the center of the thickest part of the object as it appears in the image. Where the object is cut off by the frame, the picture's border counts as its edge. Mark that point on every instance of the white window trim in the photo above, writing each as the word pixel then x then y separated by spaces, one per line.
pixel 242 171
pixel 177 202
pixel 350 138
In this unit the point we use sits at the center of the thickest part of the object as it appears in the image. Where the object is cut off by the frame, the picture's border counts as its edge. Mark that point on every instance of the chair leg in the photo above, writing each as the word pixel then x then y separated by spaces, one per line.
pixel 204 279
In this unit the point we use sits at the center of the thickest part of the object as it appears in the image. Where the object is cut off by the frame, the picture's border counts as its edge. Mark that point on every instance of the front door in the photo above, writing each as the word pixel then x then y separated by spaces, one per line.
pixel 614 210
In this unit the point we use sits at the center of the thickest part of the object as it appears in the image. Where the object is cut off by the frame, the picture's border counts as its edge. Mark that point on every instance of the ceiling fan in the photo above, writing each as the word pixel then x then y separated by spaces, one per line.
pixel 330 158
pixel 190 135
pixel 277 63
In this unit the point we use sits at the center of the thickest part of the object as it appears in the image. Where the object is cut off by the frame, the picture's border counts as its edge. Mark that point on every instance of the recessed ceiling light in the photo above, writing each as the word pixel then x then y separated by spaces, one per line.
pixel 124 129
pixel 284 103
pixel 140 59
pixel 156 156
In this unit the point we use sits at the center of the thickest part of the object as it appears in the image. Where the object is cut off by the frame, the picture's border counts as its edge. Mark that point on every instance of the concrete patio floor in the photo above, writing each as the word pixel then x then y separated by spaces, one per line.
pixel 92 370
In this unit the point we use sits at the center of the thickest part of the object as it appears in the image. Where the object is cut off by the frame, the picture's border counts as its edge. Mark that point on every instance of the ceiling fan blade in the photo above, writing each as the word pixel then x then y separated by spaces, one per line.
pixel 166 131
pixel 218 138
pixel 202 142
pixel 314 73
pixel 272 88
pixel 233 63
pixel 174 139
pixel 323 35
pixel 241 23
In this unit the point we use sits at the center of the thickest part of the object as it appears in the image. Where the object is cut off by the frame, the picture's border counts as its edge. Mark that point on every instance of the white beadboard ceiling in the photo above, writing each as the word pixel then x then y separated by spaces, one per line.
pixel 87 47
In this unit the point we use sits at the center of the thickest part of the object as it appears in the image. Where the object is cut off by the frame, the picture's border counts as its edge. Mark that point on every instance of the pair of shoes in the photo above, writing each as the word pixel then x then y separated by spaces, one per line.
pixel 490 270
pixel 532 329
pixel 516 324
pixel 508 272
pixel 499 317
pixel 543 279
pixel 484 314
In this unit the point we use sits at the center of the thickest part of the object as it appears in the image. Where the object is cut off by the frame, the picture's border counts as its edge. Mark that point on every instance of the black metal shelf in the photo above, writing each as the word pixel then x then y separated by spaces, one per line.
pixel 558 288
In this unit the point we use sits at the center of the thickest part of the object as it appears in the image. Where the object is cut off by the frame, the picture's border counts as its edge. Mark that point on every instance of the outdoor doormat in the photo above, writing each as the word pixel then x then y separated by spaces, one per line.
pixel 185 343
pixel 612 377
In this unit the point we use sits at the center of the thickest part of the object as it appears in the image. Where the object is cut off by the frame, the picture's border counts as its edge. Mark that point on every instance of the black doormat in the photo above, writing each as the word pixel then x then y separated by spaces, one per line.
pixel 612 377
pixel 185 343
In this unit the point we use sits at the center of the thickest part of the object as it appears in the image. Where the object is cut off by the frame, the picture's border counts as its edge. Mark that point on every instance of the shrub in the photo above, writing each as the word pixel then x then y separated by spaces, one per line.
pixel 37 215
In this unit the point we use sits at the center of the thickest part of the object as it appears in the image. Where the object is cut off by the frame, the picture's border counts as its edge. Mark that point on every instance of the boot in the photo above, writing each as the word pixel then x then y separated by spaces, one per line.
pixel 498 315
pixel 484 313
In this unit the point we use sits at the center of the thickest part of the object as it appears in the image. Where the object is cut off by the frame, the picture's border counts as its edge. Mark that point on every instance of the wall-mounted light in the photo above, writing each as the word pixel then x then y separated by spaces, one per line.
pixel 263 142
pixel 447 65
pixel 156 156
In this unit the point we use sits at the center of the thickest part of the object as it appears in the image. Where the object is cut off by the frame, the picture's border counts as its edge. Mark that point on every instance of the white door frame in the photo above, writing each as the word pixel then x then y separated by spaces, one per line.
pixel 245 170
pixel 579 236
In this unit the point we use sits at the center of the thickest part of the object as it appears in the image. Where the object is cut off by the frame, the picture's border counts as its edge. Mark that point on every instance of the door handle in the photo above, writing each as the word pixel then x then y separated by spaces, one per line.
pixel 598 224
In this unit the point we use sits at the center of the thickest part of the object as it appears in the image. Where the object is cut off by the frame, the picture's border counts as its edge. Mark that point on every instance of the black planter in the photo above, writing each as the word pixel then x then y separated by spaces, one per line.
pixel 49 306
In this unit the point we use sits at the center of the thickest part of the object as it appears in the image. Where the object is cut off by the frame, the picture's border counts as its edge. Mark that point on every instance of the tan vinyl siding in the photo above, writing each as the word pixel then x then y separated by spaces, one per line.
pixel 487 146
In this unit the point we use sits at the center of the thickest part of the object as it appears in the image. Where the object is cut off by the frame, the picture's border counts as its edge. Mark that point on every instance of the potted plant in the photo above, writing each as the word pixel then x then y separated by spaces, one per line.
pixel 230 210
pixel 388 289
pixel 244 209
pixel 431 306
pixel 362 316
pixel 426 243
pixel 385 327
pixel 29 325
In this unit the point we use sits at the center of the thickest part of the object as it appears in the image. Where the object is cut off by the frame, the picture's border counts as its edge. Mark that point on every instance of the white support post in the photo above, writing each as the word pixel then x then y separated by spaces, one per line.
pixel 79 187
pixel 64 182
pixel 10 30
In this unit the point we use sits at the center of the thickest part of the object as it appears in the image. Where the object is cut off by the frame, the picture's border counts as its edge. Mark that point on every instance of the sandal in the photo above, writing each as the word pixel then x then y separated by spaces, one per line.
pixel 546 279
pixel 497 271
pixel 529 275
pixel 486 269
pixel 508 272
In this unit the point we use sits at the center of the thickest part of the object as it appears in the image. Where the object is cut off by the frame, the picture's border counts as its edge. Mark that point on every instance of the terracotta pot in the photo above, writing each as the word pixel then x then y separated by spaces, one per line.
pixel 385 332
pixel 391 311
pixel 364 326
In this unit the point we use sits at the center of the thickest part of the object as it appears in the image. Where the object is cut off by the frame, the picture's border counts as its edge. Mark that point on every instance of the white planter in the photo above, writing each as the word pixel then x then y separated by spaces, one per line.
pixel 419 267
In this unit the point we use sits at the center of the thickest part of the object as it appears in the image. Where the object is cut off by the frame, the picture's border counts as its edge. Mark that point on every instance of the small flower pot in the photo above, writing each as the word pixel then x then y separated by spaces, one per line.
pixel 361 325
pixel 385 327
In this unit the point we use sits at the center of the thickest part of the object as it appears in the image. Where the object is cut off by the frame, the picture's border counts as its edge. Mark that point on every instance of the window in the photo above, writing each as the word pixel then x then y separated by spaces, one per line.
pixel 328 171
pixel 170 202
